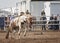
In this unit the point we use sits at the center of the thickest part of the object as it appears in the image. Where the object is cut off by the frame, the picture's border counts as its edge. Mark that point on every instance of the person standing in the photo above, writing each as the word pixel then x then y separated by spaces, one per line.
pixel 58 20
pixel 43 18
pixel 57 23
pixel 51 22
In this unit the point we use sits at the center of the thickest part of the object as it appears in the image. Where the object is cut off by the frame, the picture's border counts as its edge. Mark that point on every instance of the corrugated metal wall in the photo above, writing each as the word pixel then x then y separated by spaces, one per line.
pixel 55 8
pixel 36 8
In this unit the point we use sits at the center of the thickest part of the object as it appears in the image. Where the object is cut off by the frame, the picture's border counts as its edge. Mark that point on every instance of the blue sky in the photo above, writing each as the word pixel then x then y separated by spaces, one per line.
pixel 8 3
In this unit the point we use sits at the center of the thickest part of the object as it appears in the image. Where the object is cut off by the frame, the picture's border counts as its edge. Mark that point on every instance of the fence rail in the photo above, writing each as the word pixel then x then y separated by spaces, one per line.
pixel 52 23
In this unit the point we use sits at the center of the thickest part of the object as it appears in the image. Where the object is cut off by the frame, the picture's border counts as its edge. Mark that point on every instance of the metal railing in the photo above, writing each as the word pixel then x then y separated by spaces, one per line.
pixel 47 24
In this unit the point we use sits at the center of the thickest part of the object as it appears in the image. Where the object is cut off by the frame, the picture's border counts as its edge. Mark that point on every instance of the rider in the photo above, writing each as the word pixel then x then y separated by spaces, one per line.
pixel 29 17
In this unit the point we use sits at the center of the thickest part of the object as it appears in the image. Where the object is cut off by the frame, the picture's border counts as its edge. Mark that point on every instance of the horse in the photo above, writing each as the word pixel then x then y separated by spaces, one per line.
pixel 17 23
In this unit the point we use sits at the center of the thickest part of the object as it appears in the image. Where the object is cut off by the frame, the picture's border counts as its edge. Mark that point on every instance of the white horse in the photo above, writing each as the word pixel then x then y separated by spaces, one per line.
pixel 17 22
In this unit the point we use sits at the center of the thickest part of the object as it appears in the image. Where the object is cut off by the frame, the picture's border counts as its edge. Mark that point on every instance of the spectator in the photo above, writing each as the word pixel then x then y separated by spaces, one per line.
pixel 51 22
pixel 56 22
pixel 58 19
pixel 43 17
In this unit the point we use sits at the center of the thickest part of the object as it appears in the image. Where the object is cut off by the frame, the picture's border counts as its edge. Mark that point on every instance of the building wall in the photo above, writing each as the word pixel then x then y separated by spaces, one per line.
pixel 52 7
pixel 55 8
pixel 8 3
pixel 47 9
pixel 36 8
pixel 23 6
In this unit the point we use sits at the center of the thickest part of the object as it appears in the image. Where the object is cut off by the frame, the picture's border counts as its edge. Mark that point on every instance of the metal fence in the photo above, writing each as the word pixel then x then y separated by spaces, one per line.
pixel 37 23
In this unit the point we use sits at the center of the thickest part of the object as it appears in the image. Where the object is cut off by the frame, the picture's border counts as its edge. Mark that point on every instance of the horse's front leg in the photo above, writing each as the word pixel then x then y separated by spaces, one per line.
pixel 19 32
pixel 7 35
pixel 26 28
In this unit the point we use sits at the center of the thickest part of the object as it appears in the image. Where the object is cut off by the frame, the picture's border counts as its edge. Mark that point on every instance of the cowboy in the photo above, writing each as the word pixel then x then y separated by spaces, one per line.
pixel 29 17
pixel 27 12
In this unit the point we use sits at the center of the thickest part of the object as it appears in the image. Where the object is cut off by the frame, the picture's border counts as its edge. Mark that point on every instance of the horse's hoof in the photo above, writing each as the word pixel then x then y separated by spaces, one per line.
pixel 30 30
pixel 41 33
pixel 19 34
pixel 6 37
pixel 25 35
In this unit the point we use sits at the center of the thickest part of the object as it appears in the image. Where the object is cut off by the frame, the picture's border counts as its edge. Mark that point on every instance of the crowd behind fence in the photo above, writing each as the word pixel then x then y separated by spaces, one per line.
pixel 53 23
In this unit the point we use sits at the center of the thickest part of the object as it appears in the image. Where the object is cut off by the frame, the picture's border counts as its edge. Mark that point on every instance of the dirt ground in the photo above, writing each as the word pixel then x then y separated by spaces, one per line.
pixel 33 37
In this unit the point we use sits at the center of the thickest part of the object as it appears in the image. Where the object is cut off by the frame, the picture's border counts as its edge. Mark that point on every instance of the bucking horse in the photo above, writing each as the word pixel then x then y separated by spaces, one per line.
pixel 24 20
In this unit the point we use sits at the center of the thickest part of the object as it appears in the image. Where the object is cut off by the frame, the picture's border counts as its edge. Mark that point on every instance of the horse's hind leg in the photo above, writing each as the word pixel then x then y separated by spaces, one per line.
pixel 7 35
